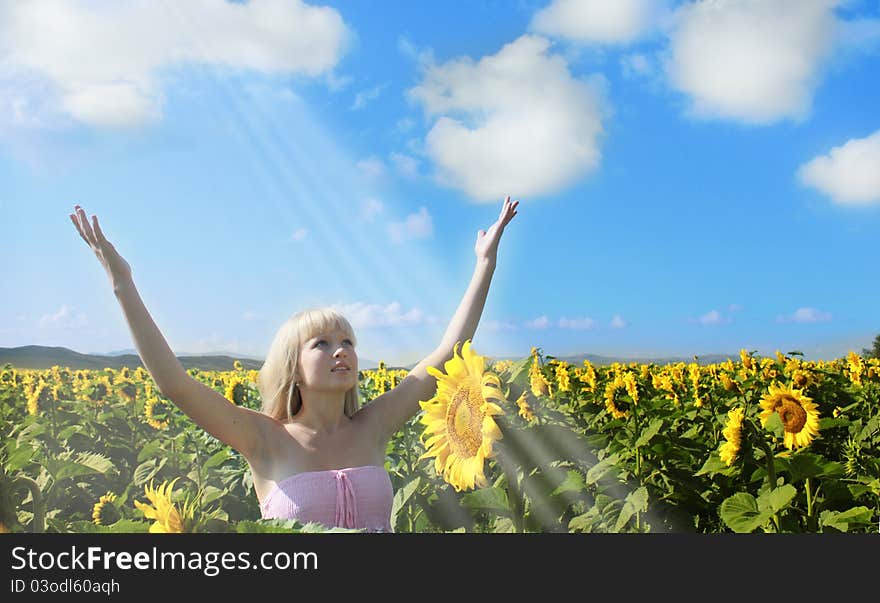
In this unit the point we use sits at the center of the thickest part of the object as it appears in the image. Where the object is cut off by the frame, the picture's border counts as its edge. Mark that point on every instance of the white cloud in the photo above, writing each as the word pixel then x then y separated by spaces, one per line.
pixel 414 226
pixel 849 173
pixel 64 318
pixel 101 60
pixel 363 315
pixel 363 97
pixel 542 322
pixel 594 21
pixel 636 65
pixel 336 83
pixel 757 61
pixel 404 125
pixel 409 49
pixel 513 121
pixel 299 234
pixel 498 325
pixel 406 165
pixel 806 315
pixel 372 167
pixel 577 323
pixel 216 342
pixel 713 317
pixel 617 322
pixel 371 207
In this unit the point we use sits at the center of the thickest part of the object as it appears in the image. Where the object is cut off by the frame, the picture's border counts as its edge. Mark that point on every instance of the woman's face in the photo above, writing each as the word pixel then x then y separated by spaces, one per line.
pixel 319 357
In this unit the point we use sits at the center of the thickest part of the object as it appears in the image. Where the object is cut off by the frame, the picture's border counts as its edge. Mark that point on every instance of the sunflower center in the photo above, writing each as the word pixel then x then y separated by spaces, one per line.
pixel 464 423
pixel 793 415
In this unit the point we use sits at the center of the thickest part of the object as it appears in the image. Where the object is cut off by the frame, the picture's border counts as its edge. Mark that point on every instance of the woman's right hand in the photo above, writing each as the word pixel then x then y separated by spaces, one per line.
pixel 116 267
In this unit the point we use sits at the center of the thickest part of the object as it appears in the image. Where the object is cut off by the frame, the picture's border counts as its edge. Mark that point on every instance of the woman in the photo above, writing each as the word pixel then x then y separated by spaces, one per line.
pixel 314 454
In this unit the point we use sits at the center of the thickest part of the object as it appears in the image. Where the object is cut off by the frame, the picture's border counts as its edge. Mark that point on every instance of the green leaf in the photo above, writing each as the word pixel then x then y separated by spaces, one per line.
pixel 601 468
pixel 30 432
pixel 804 465
pixel 97 462
pixel 503 525
pixel 831 468
pixel 573 482
pixel 20 457
pixel 774 424
pixel 740 513
pixel 123 526
pixel 636 502
pixel 147 470
pixel 217 459
pixel 713 465
pixel 268 526
pixel 519 372
pixel 649 433
pixel 86 463
pixel 841 520
pixel 148 450
pixel 487 499
pixel 777 499
pixel 212 493
pixel 68 431
pixel 402 495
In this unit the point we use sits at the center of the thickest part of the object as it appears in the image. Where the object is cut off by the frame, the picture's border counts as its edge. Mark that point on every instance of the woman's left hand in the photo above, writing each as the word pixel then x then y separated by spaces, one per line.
pixel 487 240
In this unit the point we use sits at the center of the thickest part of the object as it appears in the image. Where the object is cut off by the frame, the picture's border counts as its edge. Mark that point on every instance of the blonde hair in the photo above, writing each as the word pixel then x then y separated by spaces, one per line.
pixel 281 396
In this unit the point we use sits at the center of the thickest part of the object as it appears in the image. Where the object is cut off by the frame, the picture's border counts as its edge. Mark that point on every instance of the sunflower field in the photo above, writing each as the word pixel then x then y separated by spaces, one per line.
pixel 540 445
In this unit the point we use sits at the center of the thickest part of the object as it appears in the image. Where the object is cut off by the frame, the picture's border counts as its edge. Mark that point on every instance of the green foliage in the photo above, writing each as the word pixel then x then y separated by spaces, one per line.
pixel 874 352
pixel 575 468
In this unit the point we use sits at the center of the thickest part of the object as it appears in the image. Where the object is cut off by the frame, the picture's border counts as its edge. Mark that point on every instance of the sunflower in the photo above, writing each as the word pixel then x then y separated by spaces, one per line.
pixel 733 435
pixel 525 410
pixel 588 377
pixel 611 389
pixel 729 384
pixel 855 367
pixel 236 390
pixel 562 377
pixel 539 385
pixel 168 519
pixel 801 379
pixel 104 513
pixel 663 382
pixel 150 413
pixel 502 365
pixel 459 428
pixel 629 381
pixel 799 414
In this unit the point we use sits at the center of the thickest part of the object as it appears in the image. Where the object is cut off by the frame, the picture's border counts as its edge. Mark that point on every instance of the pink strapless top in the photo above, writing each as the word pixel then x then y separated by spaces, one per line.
pixel 352 497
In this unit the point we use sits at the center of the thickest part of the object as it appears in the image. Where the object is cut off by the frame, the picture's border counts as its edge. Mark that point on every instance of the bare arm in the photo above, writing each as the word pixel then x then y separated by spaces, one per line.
pixel 151 346
pixel 389 412
pixel 241 428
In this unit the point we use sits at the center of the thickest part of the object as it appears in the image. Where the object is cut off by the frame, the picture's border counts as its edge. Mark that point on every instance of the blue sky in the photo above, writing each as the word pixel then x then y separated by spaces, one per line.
pixel 693 177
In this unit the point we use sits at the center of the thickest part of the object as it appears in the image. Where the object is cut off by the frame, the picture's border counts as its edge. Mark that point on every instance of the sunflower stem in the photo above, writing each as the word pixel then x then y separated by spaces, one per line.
pixel 771 473
pixel 638 460
pixel 518 515
pixel 809 505
pixel 38 524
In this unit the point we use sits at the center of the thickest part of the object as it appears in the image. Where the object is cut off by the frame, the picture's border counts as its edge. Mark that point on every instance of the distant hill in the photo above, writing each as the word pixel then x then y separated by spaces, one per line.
pixel 607 360
pixel 43 357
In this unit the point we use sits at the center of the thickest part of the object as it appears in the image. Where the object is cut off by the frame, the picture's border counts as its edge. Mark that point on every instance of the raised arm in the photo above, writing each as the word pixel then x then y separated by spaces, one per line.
pixel 241 428
pixel 389 412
